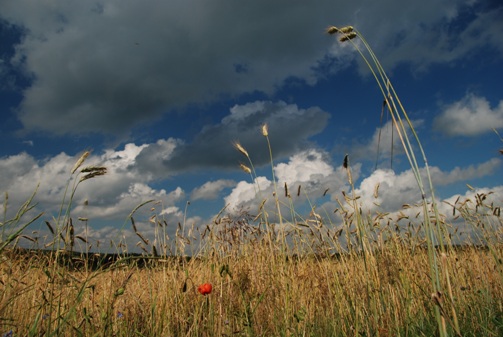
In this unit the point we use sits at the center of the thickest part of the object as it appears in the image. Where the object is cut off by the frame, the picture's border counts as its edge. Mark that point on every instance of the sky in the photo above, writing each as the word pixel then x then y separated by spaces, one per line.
pixel 159 92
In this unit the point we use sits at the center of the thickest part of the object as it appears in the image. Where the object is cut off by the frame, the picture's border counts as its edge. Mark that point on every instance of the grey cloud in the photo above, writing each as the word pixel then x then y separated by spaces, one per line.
pixel 428 32
pixel 384 144
pixel 289 129
pixel 107 67
pixel 457 174
pixel 111 67
pixel 13 166
pixel 211 189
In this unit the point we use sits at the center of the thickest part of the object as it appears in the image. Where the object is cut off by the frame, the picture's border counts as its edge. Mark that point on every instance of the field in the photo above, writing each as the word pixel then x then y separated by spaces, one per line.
pixel 272 271
pixel 259 288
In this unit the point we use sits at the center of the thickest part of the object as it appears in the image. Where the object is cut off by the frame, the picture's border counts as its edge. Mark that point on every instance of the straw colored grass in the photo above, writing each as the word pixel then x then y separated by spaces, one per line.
pixel 252 295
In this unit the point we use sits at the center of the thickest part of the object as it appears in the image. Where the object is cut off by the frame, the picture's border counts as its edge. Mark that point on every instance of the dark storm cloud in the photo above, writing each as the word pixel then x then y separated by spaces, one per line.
pixel 108 66
pixel 289 130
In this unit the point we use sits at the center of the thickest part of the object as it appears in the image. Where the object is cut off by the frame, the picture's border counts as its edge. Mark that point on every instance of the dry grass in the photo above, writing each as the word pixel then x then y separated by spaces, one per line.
pixel 252 295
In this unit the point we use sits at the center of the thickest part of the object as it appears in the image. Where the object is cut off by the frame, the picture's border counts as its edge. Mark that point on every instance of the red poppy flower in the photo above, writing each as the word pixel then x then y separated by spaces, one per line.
pixel 205 289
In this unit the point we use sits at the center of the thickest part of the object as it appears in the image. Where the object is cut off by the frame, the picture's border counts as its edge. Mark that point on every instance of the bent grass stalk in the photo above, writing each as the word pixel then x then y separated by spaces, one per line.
pixel 398 115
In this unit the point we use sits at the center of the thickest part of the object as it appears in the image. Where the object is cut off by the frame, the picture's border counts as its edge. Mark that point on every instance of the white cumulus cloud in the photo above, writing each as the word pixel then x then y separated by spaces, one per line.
pixel 470 116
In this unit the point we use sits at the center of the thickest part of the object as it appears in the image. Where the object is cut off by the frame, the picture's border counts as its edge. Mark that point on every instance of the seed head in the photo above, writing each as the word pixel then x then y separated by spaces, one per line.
pixel 265 130
pixel 348 37
pixel 332 30
pixel 245 168
pixel 93 171
pixel 80 161
pixel 346 29
pixel 241 149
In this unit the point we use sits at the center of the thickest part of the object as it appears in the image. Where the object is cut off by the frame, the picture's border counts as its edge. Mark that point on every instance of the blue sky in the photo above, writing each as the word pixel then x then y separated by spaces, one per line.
pixel 160 91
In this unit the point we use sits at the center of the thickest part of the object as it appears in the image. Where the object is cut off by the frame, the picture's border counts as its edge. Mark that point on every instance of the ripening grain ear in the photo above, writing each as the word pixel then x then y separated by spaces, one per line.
pixel 80 161
pixel 241 149
pixel 245 168
pixel 265 130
